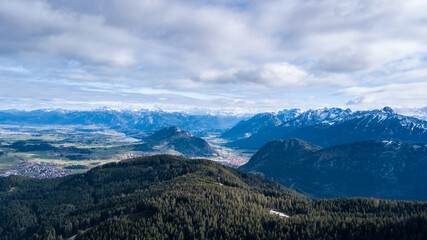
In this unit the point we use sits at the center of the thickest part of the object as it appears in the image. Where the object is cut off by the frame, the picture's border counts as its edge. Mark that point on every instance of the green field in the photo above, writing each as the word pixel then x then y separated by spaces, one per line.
pixel 68 146
pixel 34 150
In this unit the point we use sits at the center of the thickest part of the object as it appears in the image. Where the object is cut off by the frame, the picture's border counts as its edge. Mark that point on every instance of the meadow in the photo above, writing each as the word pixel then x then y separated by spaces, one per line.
pixel 62 146
pixel 46 151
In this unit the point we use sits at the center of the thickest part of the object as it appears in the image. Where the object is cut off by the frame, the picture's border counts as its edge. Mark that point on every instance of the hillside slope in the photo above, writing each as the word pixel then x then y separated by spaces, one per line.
pixel 176 139
pixel 167 197
pixel 383 169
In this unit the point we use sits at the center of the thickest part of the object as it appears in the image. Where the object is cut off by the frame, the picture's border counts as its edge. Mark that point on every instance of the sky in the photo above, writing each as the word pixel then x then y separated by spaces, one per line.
pixel 218 55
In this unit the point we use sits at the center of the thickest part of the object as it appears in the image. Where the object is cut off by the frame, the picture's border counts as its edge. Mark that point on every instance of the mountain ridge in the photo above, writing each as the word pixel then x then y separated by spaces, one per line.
pixel 145 120
pixel 174 138
pixel 327 127
pixel 246 128
pixel 384 169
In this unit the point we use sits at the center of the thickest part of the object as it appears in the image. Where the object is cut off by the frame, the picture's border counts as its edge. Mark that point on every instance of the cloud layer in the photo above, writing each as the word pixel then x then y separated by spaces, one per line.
pixel 241 56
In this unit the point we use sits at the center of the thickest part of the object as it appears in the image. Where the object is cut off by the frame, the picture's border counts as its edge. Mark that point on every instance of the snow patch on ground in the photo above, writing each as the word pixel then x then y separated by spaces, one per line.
pixel 278 213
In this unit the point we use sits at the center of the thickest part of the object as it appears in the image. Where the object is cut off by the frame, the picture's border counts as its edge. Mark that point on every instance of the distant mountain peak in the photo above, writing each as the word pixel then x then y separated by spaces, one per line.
pixel 388 110
pixel 179 140
pixel 172 129
pixel 169 132
pixel 124 120
pixel 295 141
pixel 295 111
pixel 331 126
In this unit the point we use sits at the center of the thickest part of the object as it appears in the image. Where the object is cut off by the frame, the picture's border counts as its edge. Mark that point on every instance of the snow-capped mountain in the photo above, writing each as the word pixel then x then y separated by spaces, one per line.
pixel 326 127
pixel 145 120
pixel 367 119
pixel 319 116
pixel 247 128
pixel 288 114
pixel 251 126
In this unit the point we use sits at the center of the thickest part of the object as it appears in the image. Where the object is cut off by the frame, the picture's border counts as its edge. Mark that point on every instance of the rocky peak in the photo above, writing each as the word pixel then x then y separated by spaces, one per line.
pixel 169 132
pixel 388 110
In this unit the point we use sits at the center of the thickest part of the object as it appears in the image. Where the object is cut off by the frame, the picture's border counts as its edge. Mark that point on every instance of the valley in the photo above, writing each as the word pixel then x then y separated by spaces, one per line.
pixel 166 181
pixel 213 120
pixel 46 151
pixel 337 145
pixel 52 147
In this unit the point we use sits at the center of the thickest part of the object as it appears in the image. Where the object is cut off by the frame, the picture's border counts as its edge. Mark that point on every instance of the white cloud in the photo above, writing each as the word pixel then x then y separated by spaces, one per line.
pixel 277 76
pixel 411 95
pixel 153 91
pixel 344 59
pixel 211 31
pixel 274 51
pixel 270 74
pixel 35 27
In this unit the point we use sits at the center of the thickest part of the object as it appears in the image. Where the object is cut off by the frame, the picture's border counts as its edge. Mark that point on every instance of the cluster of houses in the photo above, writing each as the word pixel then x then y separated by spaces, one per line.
pixel 35 169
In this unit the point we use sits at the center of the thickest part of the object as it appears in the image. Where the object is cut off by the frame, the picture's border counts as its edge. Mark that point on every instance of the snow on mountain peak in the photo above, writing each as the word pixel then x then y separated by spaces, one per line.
pixel 388 110
pixel 324 115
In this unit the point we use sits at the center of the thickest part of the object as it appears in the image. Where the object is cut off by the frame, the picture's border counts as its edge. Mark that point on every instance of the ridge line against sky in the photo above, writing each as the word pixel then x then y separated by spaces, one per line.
pixel 417 113
pixel 231 56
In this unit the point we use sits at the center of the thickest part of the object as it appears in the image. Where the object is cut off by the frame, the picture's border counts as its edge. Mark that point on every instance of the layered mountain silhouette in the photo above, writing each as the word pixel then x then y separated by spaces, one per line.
pixel 327 127
pixel 382 169
pixel 247 128
pixel 145 120
pixel 176 139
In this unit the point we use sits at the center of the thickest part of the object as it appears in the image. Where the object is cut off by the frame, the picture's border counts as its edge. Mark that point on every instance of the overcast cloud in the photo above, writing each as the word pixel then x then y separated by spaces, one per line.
pixel 242 56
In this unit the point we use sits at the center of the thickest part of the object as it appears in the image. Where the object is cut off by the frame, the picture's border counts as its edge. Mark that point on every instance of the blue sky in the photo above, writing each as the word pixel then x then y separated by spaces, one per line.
pixel 231 56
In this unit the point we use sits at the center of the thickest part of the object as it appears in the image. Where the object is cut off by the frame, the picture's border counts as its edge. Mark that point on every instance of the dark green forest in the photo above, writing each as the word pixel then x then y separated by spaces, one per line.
pixel 168 197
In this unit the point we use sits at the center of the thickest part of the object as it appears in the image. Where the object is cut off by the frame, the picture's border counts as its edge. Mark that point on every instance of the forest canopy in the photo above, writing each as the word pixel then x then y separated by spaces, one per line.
pixel 169 197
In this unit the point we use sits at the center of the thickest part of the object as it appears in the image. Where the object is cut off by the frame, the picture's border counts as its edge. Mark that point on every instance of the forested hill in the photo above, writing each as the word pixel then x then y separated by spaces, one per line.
pixel 383 169
pixel 168 197
pixel 176 139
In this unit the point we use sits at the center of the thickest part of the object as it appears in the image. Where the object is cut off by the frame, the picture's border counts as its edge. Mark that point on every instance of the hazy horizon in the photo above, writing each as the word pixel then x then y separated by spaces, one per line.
pixel 418 113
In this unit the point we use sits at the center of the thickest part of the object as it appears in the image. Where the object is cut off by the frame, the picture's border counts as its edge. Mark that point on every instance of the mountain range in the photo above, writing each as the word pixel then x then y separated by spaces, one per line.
pixel 323 127
pixel 178 140
pixel 382 169
pixel 327 127
pixel 247 128
pixel 124 120
pixel 169 197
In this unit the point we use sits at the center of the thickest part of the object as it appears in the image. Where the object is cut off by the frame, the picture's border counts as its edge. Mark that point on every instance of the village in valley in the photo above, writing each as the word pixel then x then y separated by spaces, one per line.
pixel 57 151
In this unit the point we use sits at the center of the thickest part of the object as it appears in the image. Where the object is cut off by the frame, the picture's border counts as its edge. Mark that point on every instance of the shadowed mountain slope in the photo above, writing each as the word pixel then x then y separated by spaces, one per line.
pixel 383 169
